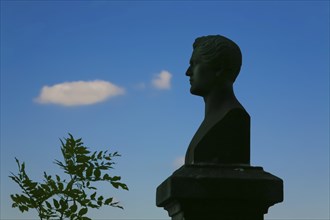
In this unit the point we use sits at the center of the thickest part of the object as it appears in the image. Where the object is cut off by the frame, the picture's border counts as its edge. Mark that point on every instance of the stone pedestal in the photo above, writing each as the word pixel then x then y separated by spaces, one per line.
pixel 231 192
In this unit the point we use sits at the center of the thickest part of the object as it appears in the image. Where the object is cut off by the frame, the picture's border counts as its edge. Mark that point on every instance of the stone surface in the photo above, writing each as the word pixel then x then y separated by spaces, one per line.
pixel 229 192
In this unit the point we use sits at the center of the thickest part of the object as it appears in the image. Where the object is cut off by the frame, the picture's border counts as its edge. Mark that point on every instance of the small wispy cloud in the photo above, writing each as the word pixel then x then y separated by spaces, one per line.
pixel 178 162
pixel 162 80
pixel 79 93
pixel 140 86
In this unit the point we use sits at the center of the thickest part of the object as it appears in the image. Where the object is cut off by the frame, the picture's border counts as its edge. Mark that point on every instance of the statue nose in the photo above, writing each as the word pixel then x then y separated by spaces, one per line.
pixel 188 72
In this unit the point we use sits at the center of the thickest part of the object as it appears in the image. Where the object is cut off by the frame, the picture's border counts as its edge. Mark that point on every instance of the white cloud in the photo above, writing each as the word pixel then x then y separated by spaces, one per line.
pixel 162 80
pixel 79 93
pixel 178 162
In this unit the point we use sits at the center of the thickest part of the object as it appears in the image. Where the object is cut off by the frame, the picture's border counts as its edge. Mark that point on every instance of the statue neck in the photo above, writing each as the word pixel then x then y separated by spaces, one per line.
pixel 219 101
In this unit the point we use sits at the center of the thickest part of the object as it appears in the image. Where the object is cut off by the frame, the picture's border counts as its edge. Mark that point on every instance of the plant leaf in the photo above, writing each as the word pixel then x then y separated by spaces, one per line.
pixel 83 211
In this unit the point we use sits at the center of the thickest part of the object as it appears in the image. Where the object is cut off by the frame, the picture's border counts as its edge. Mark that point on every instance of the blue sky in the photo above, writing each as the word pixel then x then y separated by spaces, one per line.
pixel 137 52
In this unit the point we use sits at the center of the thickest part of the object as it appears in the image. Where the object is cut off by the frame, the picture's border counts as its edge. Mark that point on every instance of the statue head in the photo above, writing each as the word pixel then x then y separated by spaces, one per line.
pixel 216 60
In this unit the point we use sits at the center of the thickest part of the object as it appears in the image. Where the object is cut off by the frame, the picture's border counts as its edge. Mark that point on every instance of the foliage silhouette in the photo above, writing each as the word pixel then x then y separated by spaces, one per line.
pixel 58 198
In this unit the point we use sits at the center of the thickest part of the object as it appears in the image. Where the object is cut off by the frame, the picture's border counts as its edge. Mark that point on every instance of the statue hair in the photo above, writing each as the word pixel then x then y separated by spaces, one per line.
pixel 220 52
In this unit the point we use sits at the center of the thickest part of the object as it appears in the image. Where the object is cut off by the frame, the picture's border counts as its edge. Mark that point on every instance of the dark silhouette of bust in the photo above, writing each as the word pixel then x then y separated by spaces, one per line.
pixel 217 181
pixel 224 135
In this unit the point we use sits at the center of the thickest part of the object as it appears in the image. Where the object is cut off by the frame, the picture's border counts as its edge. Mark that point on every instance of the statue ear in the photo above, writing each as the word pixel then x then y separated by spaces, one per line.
pixel 221 76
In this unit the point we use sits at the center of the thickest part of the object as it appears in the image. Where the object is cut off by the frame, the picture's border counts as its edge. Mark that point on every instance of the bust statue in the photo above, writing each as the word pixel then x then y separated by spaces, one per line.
pixel 217 181
pixel 224 135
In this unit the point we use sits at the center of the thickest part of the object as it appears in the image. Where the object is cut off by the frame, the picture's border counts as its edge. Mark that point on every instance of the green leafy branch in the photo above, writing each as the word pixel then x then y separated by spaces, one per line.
pixel 58 198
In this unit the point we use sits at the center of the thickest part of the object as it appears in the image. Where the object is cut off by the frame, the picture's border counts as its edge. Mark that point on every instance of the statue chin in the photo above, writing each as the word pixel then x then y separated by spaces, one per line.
pixel 197 92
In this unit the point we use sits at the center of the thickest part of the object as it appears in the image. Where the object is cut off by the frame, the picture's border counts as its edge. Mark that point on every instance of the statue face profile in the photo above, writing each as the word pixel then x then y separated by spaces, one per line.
pixel 202 76
pixel 215 62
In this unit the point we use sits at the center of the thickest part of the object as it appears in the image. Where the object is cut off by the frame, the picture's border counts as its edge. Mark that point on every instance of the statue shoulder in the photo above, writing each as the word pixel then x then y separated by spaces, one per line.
pixel 236 113
pixel 225 141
